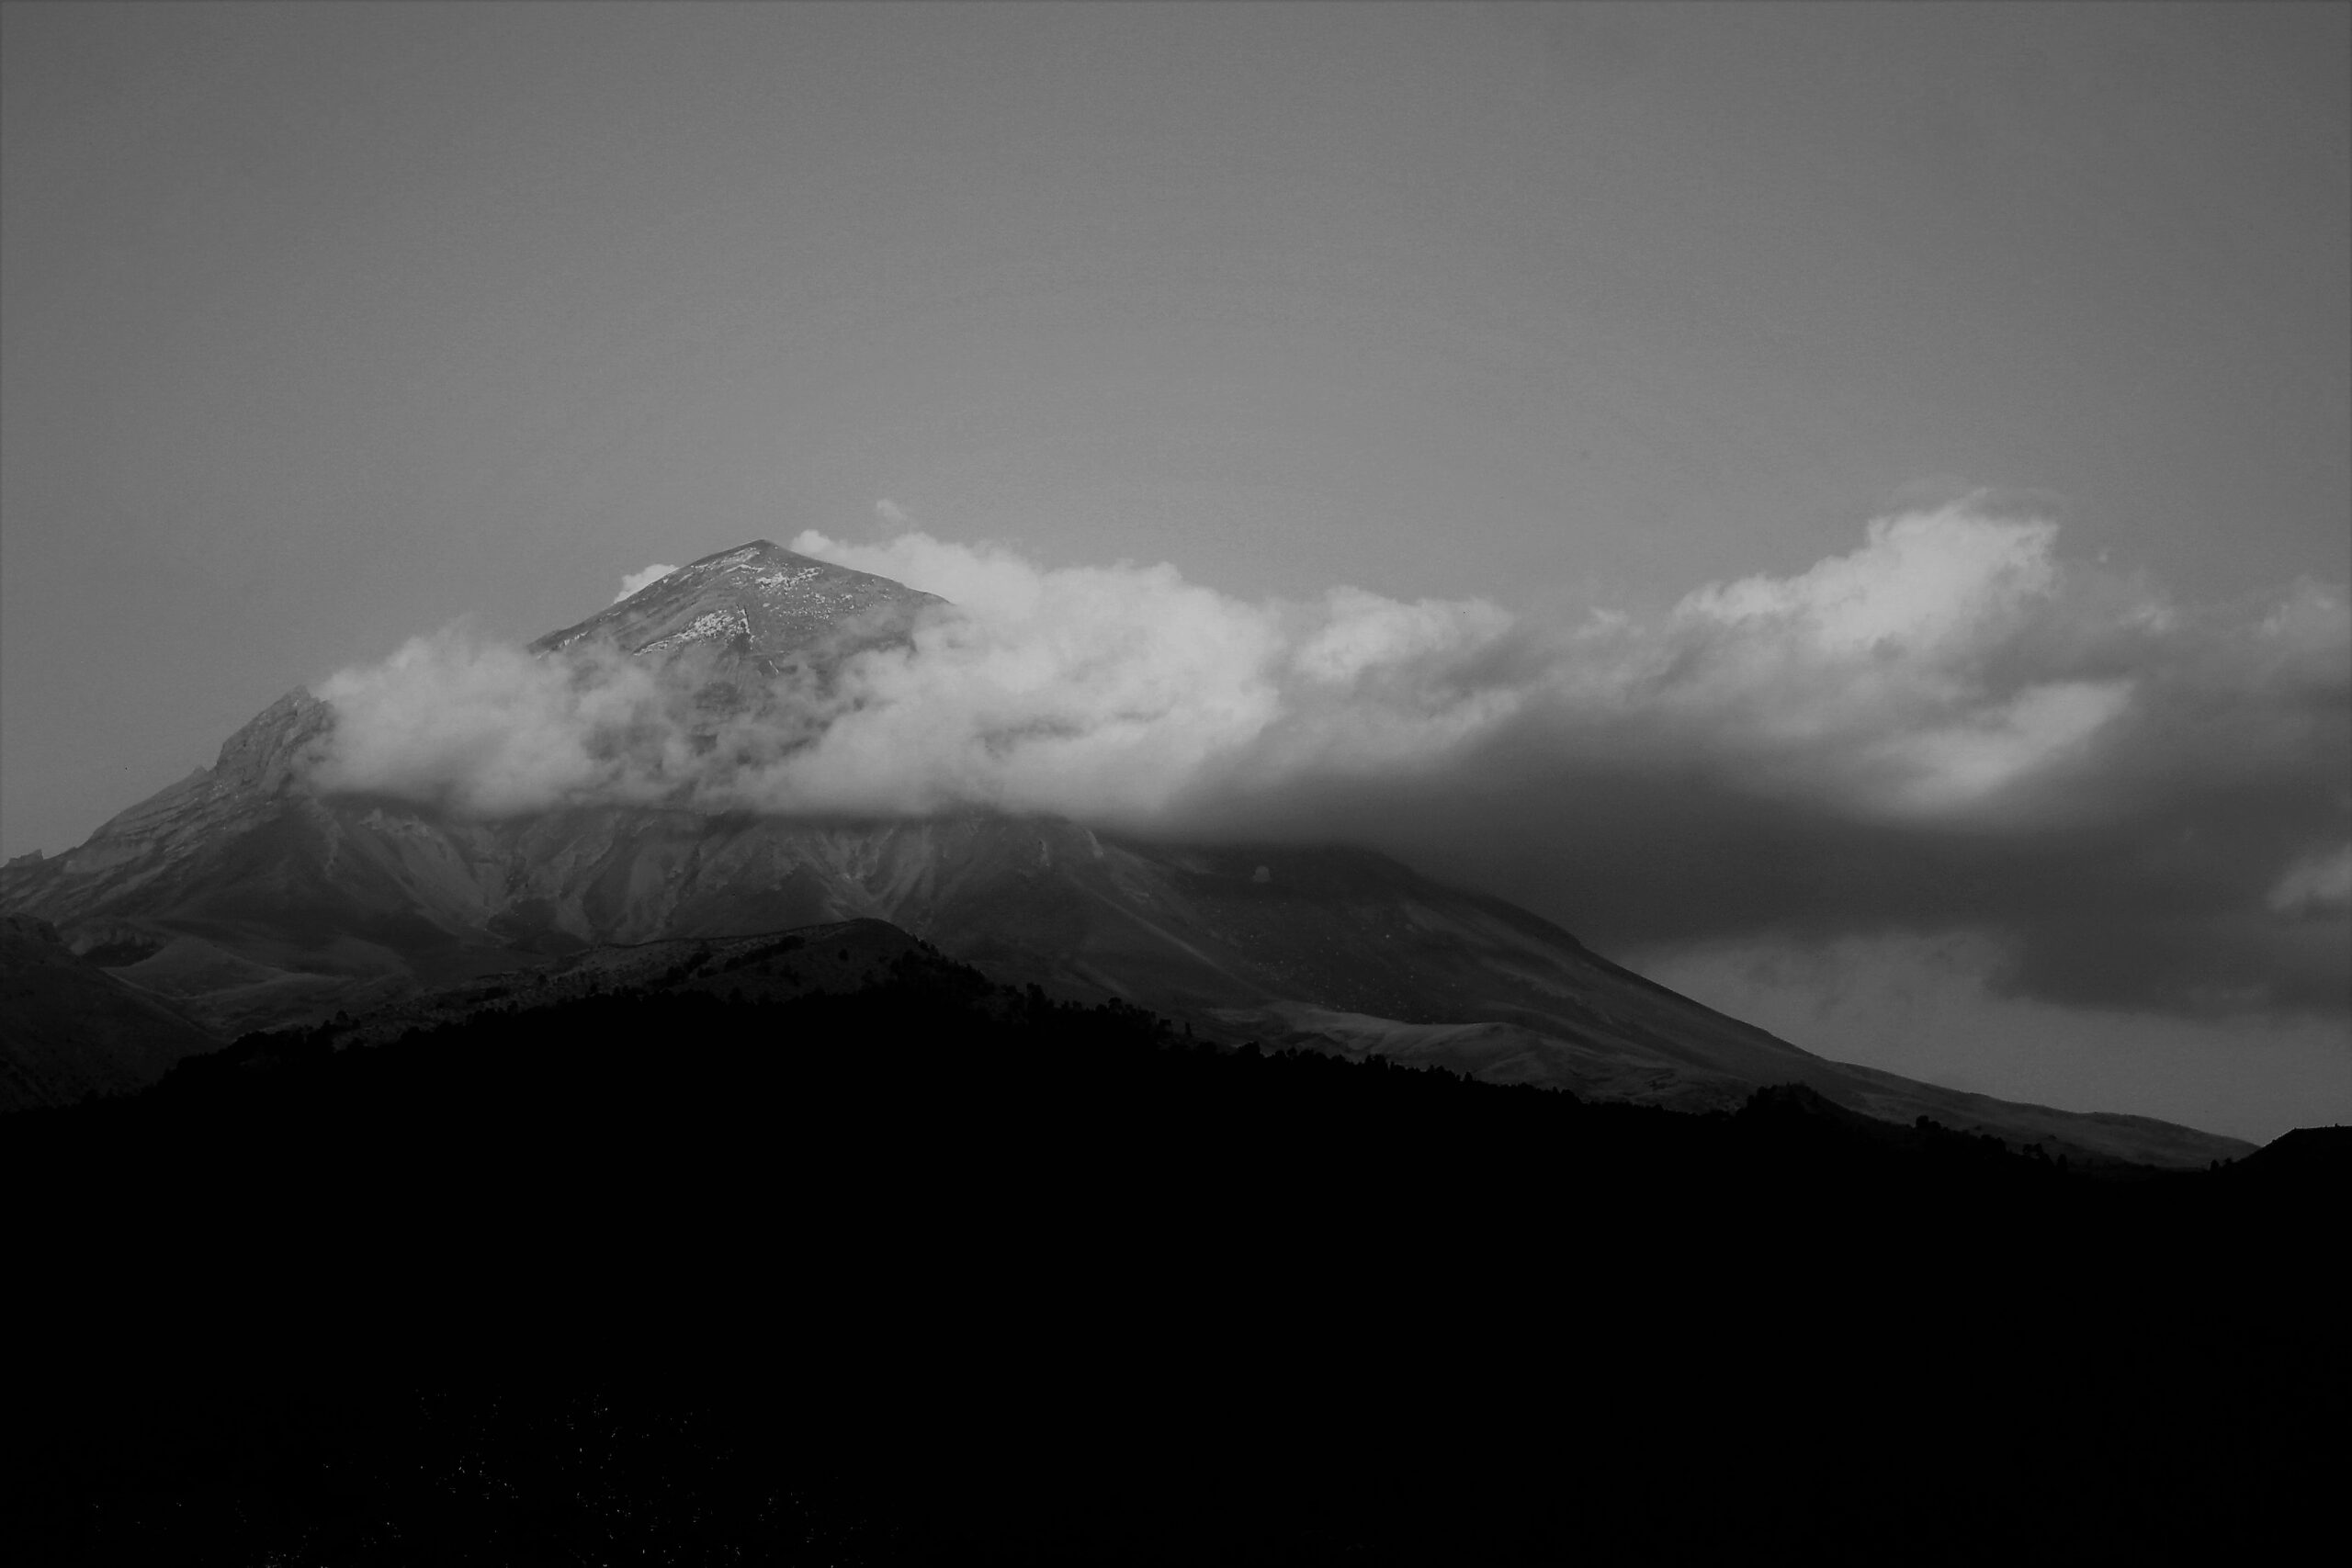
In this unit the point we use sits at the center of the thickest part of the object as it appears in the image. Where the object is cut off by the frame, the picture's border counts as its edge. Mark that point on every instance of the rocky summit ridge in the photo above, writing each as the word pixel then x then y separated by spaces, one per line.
pixel 775 609
pixel 245 897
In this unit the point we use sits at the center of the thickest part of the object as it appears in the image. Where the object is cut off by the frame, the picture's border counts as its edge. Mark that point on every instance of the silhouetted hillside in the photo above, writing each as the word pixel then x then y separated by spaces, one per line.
pixel 69 1029
pixel 932 1270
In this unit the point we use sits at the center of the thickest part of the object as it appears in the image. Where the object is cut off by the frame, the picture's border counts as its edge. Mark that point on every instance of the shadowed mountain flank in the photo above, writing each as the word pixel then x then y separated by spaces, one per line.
pixel 69 1029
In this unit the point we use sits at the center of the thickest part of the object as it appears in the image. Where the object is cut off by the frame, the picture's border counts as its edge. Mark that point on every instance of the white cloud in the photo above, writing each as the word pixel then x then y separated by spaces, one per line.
pixel 1950 669
pixel 637 581
pixel 1990 749
pixel 890 511
pixel 1920 584
pixel 1854 742
pixel 1118 693
pixel 488 730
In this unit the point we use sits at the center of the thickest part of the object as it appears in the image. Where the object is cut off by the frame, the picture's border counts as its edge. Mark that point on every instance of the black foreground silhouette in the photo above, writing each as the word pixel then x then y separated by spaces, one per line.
pixel 917 1269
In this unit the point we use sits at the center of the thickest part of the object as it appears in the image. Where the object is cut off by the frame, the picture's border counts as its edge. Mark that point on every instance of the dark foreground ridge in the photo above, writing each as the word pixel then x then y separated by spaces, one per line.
pixel 832 1251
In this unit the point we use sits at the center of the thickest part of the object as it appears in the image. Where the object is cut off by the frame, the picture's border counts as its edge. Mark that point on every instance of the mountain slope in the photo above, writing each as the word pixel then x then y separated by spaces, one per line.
pixel 759 602
pixel 69 1029
pixel 252 898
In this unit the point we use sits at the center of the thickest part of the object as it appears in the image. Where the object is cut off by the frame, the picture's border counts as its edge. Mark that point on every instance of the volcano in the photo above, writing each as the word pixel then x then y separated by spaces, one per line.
pixel 760 604
pixel 247 897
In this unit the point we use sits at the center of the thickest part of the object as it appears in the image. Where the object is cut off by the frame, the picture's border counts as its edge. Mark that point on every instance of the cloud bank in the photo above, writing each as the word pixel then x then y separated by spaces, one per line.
pixel 1933 1005
pixel 1950 724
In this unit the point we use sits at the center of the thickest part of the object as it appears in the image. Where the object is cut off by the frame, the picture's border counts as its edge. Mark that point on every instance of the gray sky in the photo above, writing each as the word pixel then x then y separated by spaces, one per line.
pixel 324 325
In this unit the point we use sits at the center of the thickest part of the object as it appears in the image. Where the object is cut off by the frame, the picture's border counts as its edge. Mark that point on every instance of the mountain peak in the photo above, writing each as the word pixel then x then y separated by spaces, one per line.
pixel 757 601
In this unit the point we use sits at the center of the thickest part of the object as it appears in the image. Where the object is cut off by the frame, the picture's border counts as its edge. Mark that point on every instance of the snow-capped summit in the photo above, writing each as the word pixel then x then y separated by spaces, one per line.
pixel 758 601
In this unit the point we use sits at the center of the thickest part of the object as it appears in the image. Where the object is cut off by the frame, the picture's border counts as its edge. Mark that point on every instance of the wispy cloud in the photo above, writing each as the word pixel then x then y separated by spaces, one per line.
pixel 636 582
pixel 1949 723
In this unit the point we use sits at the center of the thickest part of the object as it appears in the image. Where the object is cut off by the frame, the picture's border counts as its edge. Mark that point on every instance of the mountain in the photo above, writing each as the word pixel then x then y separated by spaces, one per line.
pixel 253 899
pixel 249 898
pixel 776 611
pixel 74 1030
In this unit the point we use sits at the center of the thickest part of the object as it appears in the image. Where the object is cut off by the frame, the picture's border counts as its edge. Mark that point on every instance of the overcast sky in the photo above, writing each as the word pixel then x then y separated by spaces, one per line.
pixel 324 326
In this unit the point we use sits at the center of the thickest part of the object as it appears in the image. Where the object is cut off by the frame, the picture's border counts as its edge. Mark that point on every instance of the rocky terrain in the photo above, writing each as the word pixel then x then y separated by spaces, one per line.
pixel 777 611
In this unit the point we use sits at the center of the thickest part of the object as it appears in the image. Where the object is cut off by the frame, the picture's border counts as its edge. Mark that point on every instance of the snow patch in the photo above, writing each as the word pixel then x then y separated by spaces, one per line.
pixel 709 623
